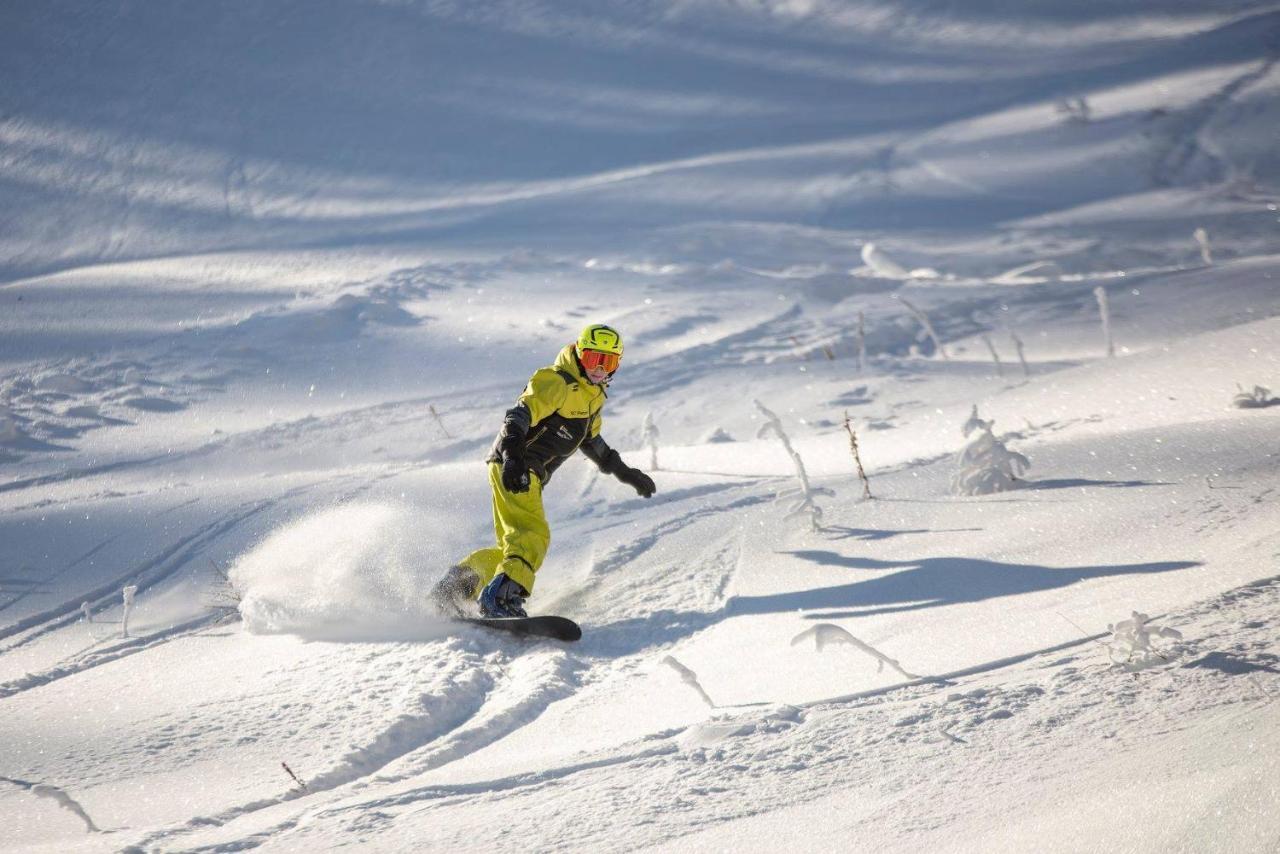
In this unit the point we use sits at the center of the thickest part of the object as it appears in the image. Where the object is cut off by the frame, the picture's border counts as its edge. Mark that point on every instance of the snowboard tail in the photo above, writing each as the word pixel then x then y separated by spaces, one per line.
pixel 556 628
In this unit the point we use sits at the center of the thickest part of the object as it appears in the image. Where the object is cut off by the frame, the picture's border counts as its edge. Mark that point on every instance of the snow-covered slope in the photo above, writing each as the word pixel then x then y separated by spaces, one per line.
pixel 268 279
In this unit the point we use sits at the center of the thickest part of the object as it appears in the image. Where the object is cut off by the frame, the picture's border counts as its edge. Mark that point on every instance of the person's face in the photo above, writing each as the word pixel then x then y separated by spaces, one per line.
pixel 598 365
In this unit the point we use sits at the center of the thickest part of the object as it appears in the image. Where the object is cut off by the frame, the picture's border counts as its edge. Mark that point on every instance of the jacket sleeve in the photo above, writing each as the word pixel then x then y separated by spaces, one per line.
pixel 606 459
pixel 545 393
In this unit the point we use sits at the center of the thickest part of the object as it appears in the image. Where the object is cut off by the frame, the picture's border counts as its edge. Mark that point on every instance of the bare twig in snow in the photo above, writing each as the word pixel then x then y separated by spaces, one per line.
pixel 857 458
pixel 296 779
pixel 829 633
pixel 439 421
pixel 1022 358
pixel 689 678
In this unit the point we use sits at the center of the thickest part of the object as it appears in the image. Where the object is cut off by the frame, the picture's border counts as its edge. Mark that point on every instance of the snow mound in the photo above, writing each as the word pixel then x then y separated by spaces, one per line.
pixel 354 572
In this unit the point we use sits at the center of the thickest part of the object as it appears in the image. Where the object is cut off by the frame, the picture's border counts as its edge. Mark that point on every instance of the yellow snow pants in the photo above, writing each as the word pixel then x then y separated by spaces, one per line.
pixel 522 531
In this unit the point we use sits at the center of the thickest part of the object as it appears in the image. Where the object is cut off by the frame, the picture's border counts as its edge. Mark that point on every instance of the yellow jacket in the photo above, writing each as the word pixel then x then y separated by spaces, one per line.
pixel 558 414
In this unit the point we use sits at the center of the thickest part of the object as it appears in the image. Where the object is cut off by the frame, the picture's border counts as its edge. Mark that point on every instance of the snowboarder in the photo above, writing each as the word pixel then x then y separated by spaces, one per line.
pixel 558 413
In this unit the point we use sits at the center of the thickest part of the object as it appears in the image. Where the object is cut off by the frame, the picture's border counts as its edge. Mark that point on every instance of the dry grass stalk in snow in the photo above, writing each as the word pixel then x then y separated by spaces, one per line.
pixel 1104 309
pixel 928 326
pixel 825 634
pixel 295 777
pixel 995 357
pixel 857 458
pixel 985 465
pixel 1022 357
pixel 805 506
pixel 439 421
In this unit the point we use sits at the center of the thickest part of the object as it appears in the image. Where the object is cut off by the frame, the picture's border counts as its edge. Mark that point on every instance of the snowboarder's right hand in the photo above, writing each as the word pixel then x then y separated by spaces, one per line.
pixel 515 473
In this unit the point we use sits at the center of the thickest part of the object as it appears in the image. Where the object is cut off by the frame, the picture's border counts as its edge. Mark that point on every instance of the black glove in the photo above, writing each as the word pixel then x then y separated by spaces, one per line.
pixel 515 473
pixel 637 480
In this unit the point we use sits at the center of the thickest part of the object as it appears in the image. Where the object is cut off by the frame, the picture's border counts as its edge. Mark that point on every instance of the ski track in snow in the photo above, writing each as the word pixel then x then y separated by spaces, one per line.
pixel 1028 705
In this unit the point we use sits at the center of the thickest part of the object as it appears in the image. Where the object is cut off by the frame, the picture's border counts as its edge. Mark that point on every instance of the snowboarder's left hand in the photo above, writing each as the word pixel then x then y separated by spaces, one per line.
pixel 637 480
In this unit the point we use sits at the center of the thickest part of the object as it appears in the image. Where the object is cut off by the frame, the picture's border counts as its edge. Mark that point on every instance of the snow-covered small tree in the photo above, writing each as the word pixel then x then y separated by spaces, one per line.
pixel 1259 398
pixel 649 435
pixel 985 465
pixel 129 593
pixel 805 506
pixel 1206 250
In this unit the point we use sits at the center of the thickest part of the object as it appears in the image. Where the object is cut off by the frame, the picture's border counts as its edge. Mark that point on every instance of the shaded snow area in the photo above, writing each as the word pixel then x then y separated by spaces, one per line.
pixel 270 276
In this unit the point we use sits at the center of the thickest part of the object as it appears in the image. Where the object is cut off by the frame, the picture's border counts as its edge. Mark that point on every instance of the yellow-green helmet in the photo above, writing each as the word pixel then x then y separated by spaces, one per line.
pixel 604 339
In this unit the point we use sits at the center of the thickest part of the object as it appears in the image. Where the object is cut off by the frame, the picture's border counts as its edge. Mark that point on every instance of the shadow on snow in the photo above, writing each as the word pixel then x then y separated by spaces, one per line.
pixel 927 583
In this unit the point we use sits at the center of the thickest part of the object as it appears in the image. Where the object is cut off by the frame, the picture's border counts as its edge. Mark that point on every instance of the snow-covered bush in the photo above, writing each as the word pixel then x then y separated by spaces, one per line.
pixel 1131 640
pixel 985 464
pixel 1259 398
pixel 805 506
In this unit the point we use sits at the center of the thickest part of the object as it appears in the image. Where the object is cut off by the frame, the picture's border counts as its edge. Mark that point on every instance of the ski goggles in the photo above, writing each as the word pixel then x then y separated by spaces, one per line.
pixel 594 359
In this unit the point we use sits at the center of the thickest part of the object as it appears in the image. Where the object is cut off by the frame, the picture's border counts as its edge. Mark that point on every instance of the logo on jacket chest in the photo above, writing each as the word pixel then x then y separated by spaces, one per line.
pixel 563 433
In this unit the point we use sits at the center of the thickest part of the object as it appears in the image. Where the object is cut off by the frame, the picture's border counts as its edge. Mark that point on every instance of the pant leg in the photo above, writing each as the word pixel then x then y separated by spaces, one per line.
pixel 484 563
pixel 521 526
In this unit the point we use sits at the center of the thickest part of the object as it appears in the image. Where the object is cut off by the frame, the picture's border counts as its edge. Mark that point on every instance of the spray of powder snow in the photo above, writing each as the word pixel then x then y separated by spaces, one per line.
pixel 351 573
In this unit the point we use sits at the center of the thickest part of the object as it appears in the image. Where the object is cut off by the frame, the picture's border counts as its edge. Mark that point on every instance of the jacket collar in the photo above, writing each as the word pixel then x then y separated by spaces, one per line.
pixel 568 361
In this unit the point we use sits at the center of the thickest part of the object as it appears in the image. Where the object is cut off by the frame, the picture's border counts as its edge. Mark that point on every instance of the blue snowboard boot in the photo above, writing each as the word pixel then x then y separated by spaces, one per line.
pixel 503 597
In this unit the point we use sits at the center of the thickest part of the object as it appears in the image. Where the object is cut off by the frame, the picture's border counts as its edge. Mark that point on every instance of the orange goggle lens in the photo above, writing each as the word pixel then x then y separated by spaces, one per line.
pixel 593 359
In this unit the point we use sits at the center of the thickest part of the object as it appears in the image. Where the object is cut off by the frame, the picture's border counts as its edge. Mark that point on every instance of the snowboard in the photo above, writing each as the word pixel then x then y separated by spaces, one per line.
pixel 556 628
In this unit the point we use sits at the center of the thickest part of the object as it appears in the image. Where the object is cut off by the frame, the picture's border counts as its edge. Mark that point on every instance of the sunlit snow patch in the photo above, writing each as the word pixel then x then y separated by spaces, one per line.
pixel 354 572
